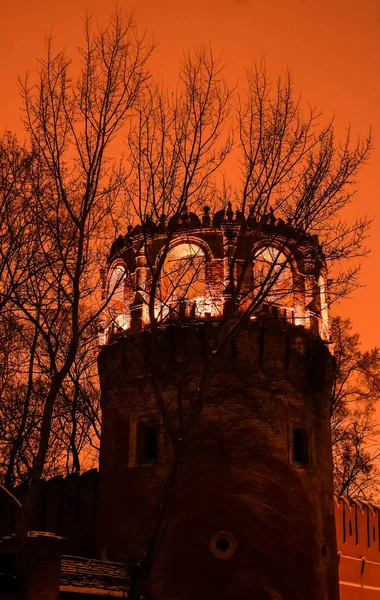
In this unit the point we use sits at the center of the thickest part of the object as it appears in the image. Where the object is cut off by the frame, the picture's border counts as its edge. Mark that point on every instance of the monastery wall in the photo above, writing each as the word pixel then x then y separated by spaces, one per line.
pixel 66 506
pixel 358 539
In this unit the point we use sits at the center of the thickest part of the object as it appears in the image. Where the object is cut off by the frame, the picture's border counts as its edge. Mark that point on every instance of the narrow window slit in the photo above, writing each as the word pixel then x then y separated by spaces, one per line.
pixel 301 452
pixel 147 443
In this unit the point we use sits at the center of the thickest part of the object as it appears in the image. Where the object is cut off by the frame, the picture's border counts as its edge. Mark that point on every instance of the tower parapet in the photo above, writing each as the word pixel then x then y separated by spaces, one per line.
pixel 278 271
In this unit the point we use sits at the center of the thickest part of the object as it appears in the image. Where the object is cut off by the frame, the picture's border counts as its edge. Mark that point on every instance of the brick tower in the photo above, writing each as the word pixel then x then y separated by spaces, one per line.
pixel 251 512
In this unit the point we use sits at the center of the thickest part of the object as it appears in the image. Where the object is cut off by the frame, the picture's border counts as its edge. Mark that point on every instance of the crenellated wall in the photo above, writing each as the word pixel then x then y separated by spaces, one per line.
pixel 358 539
pixel 66 506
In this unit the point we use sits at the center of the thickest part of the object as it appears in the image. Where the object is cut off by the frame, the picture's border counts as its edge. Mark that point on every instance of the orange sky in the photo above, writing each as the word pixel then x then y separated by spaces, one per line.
pixel 333 47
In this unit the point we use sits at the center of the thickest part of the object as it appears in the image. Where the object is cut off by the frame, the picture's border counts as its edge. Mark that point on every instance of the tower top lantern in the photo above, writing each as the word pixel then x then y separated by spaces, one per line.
pixel 212 266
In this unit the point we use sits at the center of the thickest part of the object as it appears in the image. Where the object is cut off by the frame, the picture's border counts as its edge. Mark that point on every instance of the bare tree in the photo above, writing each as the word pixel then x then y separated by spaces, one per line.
pixel 75 428
pixel 292 164
pixel 354 429
pixel 76 422
pixel 72 124
pixel 18 343
pixel 16 168
pixel 22 385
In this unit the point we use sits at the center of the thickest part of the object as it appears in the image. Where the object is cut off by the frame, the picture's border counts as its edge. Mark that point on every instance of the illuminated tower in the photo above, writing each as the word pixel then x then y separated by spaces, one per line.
pixel 253 515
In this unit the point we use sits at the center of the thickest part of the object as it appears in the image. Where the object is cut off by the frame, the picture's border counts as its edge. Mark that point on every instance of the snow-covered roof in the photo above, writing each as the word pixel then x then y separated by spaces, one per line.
pixel 90 576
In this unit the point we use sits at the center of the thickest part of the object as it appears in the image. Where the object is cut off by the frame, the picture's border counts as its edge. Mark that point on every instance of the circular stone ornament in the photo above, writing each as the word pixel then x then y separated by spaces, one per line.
pixel 223 545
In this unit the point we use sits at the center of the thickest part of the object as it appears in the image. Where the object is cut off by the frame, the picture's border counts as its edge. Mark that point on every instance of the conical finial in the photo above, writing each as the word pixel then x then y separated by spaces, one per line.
pixel 206 220
pixel 184 216
pixel 272 218
pixel 229 212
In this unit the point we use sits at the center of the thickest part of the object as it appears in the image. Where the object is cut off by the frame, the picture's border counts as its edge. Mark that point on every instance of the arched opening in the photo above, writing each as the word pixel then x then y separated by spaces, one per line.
pixel 273 281
pixel 301 453
pixel 146 443
pixel 118 313
pixel 182 288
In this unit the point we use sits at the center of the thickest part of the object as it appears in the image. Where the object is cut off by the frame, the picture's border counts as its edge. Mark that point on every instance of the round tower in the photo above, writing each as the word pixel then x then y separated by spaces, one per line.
pixel 215 374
